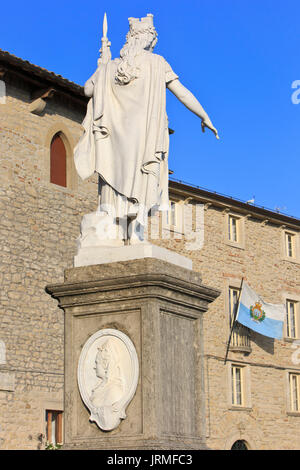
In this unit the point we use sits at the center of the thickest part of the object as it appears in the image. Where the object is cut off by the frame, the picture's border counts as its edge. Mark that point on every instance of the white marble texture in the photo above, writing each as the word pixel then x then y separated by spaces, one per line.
pixel 106 254
pixel 108 372
pixel 126 138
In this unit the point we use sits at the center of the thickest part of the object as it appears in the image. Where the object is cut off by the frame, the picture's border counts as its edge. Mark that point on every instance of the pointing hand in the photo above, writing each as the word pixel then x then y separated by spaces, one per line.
pixel 207 123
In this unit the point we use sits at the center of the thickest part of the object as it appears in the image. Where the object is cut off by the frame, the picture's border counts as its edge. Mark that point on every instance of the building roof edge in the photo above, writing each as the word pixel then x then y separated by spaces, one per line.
pixel 234 203
pixel 41 73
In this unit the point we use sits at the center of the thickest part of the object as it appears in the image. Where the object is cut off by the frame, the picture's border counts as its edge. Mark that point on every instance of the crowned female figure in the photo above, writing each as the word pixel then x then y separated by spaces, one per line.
pixel 126 139
pixel 106 398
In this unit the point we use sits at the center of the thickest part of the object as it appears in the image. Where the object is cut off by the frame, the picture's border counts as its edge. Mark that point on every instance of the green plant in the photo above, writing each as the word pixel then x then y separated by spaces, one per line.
pixel 50 446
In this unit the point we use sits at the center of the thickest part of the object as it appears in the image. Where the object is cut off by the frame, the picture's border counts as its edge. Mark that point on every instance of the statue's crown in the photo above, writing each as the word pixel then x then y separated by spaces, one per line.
pixel 137 24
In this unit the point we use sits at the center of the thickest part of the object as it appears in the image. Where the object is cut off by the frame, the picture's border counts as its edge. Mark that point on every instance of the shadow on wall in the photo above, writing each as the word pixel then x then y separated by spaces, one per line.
pixel 263 342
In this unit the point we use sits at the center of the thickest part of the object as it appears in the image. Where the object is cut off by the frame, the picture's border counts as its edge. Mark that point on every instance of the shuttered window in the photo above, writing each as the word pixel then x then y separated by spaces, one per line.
pixel 54 427
pixel 233 228
pixel 237 383
pixel 291 319
pixel 290 245
pixel 295 391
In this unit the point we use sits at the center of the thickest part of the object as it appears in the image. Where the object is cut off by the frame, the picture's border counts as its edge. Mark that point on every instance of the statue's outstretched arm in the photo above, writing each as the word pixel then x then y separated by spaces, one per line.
pixel 188 99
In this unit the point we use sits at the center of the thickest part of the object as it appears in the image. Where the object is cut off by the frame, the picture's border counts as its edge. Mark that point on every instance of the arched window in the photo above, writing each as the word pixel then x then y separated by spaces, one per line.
pixel 58 161
pixel 239 445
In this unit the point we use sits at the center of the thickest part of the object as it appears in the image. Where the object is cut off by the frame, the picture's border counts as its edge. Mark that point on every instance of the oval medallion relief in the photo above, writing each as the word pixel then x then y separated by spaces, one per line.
pixel 108 372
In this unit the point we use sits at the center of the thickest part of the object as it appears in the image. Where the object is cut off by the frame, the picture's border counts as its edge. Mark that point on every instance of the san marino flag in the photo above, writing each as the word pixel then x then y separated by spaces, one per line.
pixel 264 318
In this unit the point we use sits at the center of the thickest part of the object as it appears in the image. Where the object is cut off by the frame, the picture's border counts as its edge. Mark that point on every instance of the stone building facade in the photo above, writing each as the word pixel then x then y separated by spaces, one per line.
pixel 253 399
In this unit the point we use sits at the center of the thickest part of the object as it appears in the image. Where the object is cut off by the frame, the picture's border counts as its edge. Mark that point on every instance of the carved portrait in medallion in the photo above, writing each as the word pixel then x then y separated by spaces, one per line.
pixel 107 376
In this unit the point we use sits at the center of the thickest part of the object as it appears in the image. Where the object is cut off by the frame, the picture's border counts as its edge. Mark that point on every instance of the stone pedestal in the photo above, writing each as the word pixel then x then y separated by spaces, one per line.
pixel 159 306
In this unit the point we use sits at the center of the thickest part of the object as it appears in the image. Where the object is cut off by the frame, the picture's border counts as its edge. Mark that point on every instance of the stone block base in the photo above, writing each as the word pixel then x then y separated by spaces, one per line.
pixel 88 256
pixel 159 306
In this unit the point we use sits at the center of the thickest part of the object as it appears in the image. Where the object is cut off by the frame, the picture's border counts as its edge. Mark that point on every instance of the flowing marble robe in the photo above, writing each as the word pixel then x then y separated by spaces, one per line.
pixel 126 138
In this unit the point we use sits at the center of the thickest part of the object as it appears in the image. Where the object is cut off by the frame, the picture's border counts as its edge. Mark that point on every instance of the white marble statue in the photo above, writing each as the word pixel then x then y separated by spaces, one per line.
pixel 126 139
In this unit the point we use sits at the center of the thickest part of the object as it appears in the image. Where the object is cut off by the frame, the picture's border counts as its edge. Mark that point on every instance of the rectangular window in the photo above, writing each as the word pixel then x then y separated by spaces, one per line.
pixel 295 391
pixel 290 245
pixel 233 228
pixel 173 219
pixel 291 319
pixel 54 426
pixel 233 300
pixel 171 214
pixel 237 385
pixel 240 337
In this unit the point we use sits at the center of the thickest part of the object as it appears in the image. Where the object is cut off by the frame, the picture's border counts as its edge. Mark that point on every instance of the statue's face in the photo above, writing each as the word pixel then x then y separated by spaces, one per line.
pixel 101 364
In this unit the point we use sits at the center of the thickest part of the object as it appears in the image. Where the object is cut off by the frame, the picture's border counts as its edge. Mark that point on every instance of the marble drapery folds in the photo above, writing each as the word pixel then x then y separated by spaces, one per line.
pixel 126 139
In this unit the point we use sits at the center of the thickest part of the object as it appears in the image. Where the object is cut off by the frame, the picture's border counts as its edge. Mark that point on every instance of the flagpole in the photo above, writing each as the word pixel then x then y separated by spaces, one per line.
pixel 234 320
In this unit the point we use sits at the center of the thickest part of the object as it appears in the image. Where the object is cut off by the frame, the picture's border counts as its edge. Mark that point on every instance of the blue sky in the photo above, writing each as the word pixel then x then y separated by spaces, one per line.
pixel 238 57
